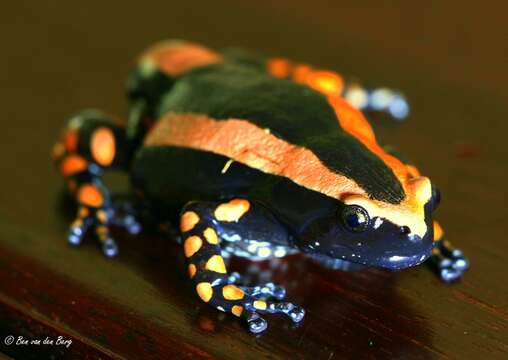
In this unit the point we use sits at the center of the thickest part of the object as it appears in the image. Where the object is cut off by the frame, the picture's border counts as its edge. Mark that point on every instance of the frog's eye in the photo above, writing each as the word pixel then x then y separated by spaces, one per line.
pixel 355 218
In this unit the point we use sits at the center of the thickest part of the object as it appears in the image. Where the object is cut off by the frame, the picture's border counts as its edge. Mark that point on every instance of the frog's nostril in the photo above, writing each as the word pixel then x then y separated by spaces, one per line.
pixel 405 230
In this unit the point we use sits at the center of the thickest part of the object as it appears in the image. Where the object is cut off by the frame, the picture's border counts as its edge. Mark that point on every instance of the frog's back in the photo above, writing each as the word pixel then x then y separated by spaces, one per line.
pixel 229 110
pixel 229 90
pixel 253 108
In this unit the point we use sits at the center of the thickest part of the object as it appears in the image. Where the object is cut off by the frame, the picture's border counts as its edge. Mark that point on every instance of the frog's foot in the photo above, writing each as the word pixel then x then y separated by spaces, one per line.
pixel 257 324
pixel 125 216
pixel 448 261
pixel 201 225
pixel 99 219
pixel 263 291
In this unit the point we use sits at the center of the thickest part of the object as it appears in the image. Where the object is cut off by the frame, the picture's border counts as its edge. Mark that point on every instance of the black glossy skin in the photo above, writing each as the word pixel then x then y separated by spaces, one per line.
pixel 283 217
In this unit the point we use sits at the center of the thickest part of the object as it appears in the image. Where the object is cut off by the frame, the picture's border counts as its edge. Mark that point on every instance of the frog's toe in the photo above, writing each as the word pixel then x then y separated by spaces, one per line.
pixel 77 232
pixel 109 247
pixel 256 323
pixel 451 269
pixel 276 291
pixel 130 224
pixel 79 226
pixel 295 312
pixel 99 220
pixel 459 260
pixel 449 275
pixel 268 290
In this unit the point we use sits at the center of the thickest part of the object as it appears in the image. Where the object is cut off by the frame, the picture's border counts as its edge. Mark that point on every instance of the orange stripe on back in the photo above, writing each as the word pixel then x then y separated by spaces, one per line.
pixel 248 144
pixel 331 84
pixel 177 57
pixel 354 122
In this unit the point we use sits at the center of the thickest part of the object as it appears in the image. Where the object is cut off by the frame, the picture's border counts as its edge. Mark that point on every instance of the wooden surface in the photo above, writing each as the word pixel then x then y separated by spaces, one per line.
pixel 450 58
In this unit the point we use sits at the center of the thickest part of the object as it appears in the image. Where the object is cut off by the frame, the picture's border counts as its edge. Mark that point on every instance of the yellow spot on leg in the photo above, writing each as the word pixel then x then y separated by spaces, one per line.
pixel 188 220
pixel 102 216
pixel 232 211
pixel 77 223
pixel 205 291
pixel 192 270
pixel 83 212
pixel 260 304
pixel 232 292
pixel 216 263
pixel 102 232
pixel 237 310
pixel 211 236
pixel 191 245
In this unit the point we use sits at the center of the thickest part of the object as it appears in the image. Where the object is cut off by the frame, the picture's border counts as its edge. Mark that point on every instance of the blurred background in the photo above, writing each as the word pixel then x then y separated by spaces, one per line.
pixel 449 58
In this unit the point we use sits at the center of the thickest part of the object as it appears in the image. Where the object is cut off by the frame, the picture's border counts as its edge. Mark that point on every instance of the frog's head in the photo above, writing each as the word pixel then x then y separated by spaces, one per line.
pixel 376 233
pixel 382 208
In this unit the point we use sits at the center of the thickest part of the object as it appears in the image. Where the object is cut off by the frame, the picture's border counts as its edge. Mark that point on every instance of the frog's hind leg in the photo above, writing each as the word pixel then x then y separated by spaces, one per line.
pixel 204 225
pixel 90 145
pixel 449 262
pixel 331 83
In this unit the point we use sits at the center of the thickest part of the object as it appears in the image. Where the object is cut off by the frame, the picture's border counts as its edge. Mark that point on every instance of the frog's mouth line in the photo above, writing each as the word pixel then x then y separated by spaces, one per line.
pixel 344 256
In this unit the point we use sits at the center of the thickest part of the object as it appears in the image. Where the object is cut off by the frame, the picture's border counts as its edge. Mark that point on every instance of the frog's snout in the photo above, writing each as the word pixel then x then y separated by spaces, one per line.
pixel 390 246
pixel 412 250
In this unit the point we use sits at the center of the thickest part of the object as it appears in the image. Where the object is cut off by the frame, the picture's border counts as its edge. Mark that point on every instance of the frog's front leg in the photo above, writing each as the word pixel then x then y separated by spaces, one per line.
pixel 91 144
pixel 447 260
pixel 204 225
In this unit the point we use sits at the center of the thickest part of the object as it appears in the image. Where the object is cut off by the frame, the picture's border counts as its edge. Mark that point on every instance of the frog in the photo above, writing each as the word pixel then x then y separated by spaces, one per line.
pixel 254 157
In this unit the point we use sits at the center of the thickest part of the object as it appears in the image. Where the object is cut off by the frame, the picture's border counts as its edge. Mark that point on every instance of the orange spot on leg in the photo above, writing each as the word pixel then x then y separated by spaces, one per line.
pixel 326 82
pixel 211 236
pixel 438 231
pixel 192 270
pixel 232 211
pixel 216 263
pixel 301 72
pixel 204 291
pixel 192 245
pixel 188 220
pixel 91 196
pixel 73 164
pixel 71 140
pixel 232 292
pixel 278 67
pixel 260 304
pixel 237 310
pixel 103 146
